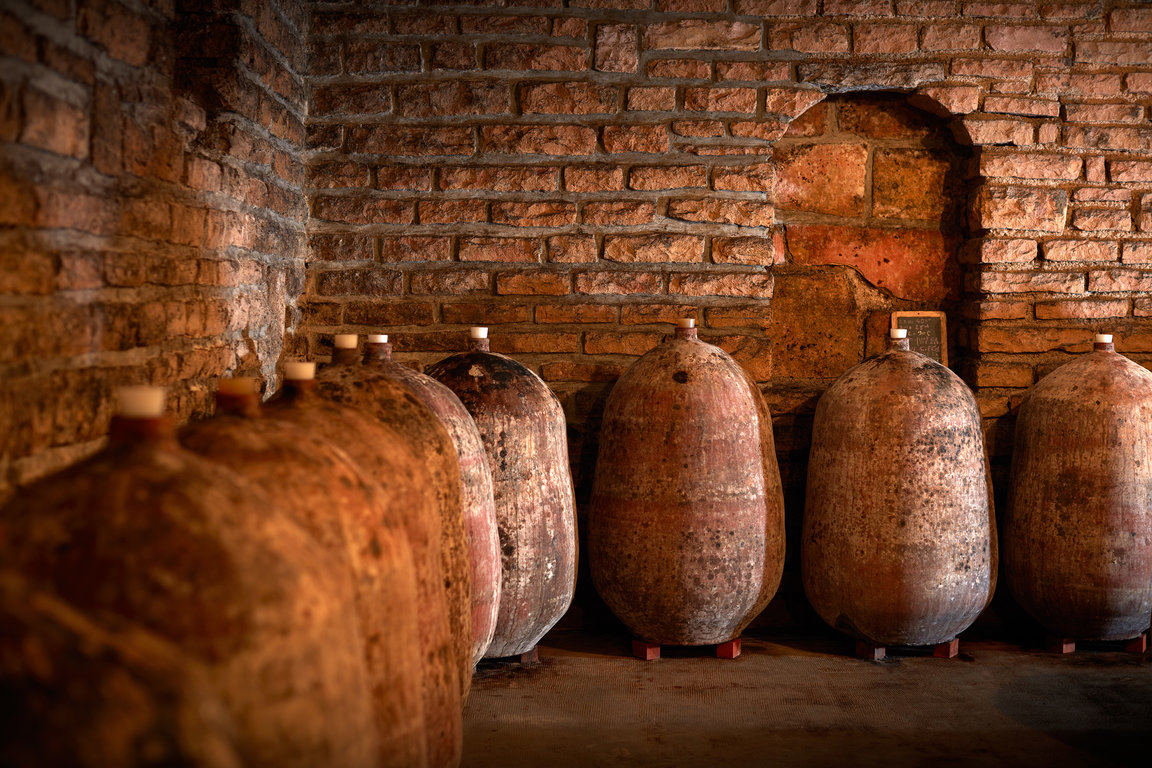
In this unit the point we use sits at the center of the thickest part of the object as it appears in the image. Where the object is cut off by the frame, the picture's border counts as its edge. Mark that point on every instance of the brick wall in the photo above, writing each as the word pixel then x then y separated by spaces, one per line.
pixel 577 177
pixel 151 212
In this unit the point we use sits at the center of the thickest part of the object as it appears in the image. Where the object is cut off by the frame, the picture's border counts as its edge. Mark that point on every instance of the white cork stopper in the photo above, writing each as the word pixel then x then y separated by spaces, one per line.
pixel 238 385
pixel 345 340
pixel 1103 338
pixel 898 333
pixel 299 371
pixel 378 338
pixel 141 402
pixel 478 332
pixel 686 322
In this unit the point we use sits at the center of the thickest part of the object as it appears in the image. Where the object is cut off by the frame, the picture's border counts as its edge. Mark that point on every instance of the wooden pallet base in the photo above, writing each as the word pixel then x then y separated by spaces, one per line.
pixel 651 651
pixel 873 652
pixel 1062 645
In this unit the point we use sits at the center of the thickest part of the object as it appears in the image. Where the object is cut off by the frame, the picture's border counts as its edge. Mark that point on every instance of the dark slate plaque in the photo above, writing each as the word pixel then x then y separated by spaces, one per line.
pixel 927 333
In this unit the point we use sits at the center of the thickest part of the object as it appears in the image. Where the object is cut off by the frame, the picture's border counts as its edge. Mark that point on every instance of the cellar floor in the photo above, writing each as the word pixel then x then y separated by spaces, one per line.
pixel 801 699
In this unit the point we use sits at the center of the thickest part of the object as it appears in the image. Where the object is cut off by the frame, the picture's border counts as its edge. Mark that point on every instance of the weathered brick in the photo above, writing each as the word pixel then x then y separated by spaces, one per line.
pixel 744 213
pixel 577 179
pixel 616 48
pixel 996 310
pixel 525 56
pixel 357 209
pixel 680 69
pixel 1017 340
pixel 351 100
pixel 581 371
pixel 950 37
pixel 624 213
pixel 571 249
pixel 720 99
pixel 484 312
pixel 1131 20
pixel 653 313
pixel 1027 282
pixel 450 55
pixel 573 98
pixel 576 313
pixel 884 38
pixel 998 68
pixel 912 184
pixel 1101 221
pixel 742 250
pixel 1082 309
pixel 1126 138
pixel 1031 166
pixel 618 282
pixel 753 71
pixel 1022 208
pixel 456 97
pixel 649 139
pixel 504 25
pixel 553 213
pixel 499 249
pixel 54 125
pixel 668 177
pixel 1139 82
pixel 519 343
pixel 534 283
pixel 1029 107
pixel 1016 38
pixel 415 248
pixel 387 314
pixel 822 178
pixel 806 8
pixel 1003 375
pixel 1120 53
pixel 701 34
pixel 810 37
pixel 499 178
pixel 377 56
pixel 989 132
pixel 997 251
pixel 1081 250
pixel 1104 113
pixel 698 128
pixel 791 101
pixel 651 99
pixel 615 343
pixel 453 281
pixel 370 281
pixel 411 141
pixel 1119 280
pixel 125 35
pixel 1083 85
pixel 1137 253
pixel 758 177
pixel 743 284
pixel 452 211
pixel 538 139
pixel 654 249
pixel 1128 171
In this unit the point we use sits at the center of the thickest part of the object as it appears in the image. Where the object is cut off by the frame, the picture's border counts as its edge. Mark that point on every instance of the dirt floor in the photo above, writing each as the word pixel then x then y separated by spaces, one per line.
pixel 802 699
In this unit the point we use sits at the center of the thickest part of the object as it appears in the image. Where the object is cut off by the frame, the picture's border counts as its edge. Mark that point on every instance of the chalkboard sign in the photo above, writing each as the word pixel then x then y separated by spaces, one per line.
pixel 927 333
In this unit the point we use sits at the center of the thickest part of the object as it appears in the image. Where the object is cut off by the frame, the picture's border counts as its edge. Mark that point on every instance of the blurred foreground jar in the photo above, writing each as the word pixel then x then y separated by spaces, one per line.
pixel 476 500
pixel 686 524
pixel 383 455
pixel 147 532
pixel 899 540
pixel 348 382
pixel 525 437
pixel 347 513
pixel 1078 529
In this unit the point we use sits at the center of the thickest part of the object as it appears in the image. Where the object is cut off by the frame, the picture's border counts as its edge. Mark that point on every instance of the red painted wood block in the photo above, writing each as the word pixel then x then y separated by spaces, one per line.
pixel 1137 644
pixel 1061 645
pixel 728 650
pixel 948 650
pixel 645 651
pixel 529 657
pixel 866 650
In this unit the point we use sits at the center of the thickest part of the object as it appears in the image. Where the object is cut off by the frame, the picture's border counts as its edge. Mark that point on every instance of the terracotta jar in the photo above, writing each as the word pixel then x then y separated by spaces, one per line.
pixel 148 532
pixel 383 456
pixel 686 522
pixel 899 539
pixel 90 695
pixel 348 382
pixel 347 513
pixel 1078 530
pixel 524 433
pixel 479 509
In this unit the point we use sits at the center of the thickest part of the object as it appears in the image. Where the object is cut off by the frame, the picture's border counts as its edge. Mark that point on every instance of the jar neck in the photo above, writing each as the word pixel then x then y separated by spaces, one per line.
pixel 378 353
pixel 901 344
pixel 687 333
pixel 345 357
pixel 126 430
pixel 479 345
pixel 238 405
pixel 1103 346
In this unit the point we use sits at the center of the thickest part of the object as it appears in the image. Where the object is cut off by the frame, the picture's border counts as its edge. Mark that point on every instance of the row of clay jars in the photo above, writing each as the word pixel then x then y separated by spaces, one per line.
pixel 149 534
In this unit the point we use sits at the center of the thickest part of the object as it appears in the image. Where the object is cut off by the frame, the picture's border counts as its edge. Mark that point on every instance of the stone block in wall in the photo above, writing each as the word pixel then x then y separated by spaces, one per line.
pixel 1091 220
pixel 647 139
pixel 1119 280
pixel 743 250
pixel 1021 208
pixel 1032 165
pixel 809 336
pixel 1081 250
pixel 1025 282
pixel 1017 339
pixel 822 178
pixel 533 283
pixel 499 249
pixel 1082 309
pixel 912 184
pixel 499 178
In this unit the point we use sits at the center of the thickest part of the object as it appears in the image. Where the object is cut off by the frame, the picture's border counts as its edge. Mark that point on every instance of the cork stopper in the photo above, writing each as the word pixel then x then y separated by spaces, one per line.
pixel 238 386
pixel 898 338
pixel 377 338
pixel 299 371
pixel 141 402
pixel 345 341
pixel 1103 343
pixel 238 395
pixel 686 328
pixel 478 338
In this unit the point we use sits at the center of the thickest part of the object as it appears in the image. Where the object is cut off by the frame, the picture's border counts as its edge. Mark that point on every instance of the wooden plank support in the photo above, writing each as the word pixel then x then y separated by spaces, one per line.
pixel 728 650
pixel 1061 645
pixel 529 657
pixel 645 651
pixel 1138 644
pixel 948 650
pixel 869 651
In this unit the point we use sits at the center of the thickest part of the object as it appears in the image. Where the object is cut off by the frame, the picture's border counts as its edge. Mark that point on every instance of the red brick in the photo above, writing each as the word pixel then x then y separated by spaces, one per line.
pixel 857 8
pixel 1127 171
pixel 1017 340
pixel 499 249
pixel 753 71
pixel 698 128
pixel 533 283
pixel 951 37
pixel 423 23
pixel 356 209
pixel 720 99
pixel 452 55
pixel 123 34
pixel 1081 250
pixel 989 132
pixel 414 248
pixel 1027 282
pixel 1131 20
pixel 668 177
pixel 456 97
pixel 1003 375
pixel 650 314
pixel 375 56
pixel 1083 85
pixel 382 314
pixel 912 264
pixel 742 284
pixel 1015 38
pixel 616 48
pixel 649 139
pixel 810 37
pixel 351 100
pixel 54 125
pixel 523 56
pixel 1101 221
pixel 617 343
pixel 996 310
pixel 791 101
pixel 571 249
pixel 999 68
pixel 499 178
pixel 504 25
pixel 623 213
pixel 579 371
pixel 912 184
pixel 452 281
pixel 1139 82
pixel 823 178
pixel 744 213
pixel 1137 253
pixel 576 313
pixel 1083 309
pixel 578 179
pixel 452 211
pixel 484 313
pixel 569 27
pixel 514 343
pixel 1122 138
pixel 411 141
pixel 1119 280
pixel 680 69
pixel 999 10
pixel 651 99
pixel 552 213
pixel 1030 166
pixel 1103 113
pixel 1112 52
pixel 1101 195
pixel 778 7
pixel 768 130
pixel 618 282
pixel 701 34
pixel 1022 208
pixel 1021 106
pixel 538 139
pixel 758 177
pixel 654 249
pixel 573 98
pixel 371 281
pixel 742 250
pixel 883 38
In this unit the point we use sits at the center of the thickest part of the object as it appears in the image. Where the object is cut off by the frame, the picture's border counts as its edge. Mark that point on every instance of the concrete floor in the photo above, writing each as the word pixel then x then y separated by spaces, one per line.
pixel 801 699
